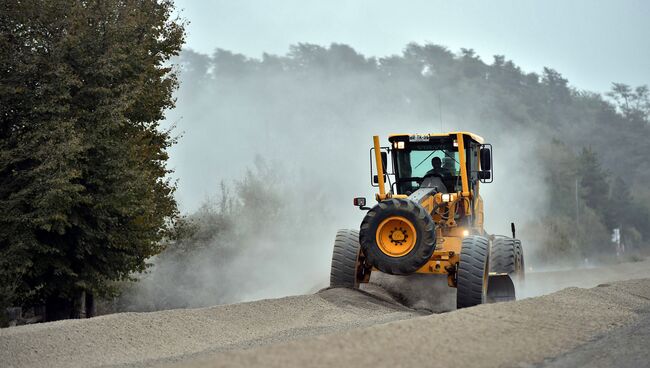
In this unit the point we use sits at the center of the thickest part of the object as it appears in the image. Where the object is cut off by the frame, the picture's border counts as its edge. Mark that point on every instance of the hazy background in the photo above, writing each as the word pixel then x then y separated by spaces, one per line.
pixel 592 42
pixel 274 133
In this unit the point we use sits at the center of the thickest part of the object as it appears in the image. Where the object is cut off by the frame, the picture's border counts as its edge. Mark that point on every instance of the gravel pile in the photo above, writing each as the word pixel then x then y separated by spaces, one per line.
pixel 149 338
pixel 516 334
pixel 340 327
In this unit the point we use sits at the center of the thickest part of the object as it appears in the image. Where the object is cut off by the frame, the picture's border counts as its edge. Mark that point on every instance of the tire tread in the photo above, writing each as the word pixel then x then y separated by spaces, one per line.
pixel 343 272
pixel 474 258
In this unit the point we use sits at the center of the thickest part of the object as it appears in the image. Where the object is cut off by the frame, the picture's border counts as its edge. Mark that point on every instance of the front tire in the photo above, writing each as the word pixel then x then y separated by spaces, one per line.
pixel 348 269
pixel 397 236
pixel 473 272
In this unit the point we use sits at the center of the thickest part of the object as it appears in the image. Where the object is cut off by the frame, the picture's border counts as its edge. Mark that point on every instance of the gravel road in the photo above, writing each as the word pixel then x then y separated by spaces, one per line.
pixel 141 339
pixel 513 334
pixel 340 328
pixel 627 347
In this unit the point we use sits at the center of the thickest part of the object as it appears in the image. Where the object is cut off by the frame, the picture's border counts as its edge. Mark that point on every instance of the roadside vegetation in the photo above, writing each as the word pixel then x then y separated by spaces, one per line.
pixel 84 194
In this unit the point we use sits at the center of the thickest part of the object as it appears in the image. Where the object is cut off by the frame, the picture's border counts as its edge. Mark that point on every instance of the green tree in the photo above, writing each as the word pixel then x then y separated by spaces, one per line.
pixel 628 213
pixel 593 184
pixel 633 103
pixel 472 66
pixel 84 198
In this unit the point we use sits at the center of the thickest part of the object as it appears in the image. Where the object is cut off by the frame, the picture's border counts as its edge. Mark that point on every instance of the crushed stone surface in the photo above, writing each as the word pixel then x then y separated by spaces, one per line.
pixel 135 338
pixel 331 328
pixel 513 334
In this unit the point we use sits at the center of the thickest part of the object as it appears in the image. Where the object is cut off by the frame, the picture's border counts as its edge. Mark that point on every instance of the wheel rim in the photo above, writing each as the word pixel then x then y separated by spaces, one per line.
pixel 396 236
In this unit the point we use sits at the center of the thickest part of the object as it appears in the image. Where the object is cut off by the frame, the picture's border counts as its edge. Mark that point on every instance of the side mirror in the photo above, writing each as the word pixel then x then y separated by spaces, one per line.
pixel 384 161
pixel 383 158
pixel 486 159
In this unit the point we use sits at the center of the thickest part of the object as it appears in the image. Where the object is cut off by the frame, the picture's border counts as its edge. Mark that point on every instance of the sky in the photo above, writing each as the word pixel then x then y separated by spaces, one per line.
pixel 591 42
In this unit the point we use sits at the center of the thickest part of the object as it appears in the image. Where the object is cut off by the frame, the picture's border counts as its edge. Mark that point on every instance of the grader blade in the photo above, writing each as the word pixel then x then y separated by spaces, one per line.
pixel 500 288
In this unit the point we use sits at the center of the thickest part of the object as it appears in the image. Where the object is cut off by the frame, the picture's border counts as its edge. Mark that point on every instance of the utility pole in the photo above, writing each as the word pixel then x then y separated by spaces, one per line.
pixel 577 216
pixel 440 112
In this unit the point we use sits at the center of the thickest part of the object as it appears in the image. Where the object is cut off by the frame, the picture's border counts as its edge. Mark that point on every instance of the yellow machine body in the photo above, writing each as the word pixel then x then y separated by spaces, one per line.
pixel 443 207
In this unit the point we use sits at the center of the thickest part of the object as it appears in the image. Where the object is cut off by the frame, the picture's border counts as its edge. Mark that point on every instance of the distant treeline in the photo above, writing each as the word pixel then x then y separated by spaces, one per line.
pixel 590 148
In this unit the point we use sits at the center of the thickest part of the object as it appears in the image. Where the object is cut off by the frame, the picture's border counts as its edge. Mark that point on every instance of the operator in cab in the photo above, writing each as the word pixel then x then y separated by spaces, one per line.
pixel 437 169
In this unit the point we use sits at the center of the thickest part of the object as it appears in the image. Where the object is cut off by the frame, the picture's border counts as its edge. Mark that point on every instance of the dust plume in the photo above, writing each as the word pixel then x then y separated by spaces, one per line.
pixel 289 138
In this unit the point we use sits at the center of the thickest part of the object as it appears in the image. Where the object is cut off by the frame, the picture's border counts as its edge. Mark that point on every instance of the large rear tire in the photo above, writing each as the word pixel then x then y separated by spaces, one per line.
pixel 473 272
pixel 520 267
pixel 503 258
pixel 348 269
pixel 506 266
pixel 397 236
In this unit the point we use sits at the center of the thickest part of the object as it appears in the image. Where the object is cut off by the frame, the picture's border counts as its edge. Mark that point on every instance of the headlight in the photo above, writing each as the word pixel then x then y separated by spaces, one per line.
pixel 465 232
pixel 446 197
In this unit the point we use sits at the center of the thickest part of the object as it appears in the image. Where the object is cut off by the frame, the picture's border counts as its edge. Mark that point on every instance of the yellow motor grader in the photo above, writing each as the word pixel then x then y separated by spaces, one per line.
pixel 430 220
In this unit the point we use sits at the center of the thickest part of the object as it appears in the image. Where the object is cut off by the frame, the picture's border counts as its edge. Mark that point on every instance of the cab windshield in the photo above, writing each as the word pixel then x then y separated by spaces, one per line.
pixel 424 161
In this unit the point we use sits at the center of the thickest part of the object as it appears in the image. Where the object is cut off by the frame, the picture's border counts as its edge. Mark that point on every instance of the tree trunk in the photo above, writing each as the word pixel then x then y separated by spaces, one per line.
pixel 90 305
pixel 79 305
pixel 57 308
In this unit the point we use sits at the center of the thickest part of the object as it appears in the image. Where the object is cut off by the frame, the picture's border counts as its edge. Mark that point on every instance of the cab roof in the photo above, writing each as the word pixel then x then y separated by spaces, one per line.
pixel 475 137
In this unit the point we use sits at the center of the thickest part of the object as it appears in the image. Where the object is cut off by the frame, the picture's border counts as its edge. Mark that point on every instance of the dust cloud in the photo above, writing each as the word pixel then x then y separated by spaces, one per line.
pixel 313 132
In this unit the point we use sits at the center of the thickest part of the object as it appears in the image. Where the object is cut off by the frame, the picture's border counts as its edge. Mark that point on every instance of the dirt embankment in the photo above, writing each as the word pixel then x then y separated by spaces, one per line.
pixel 151 338
pixel 494 335
pixel 342 327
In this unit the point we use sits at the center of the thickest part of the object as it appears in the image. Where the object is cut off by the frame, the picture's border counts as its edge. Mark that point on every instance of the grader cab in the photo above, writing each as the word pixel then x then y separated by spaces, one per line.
pixel 430 220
